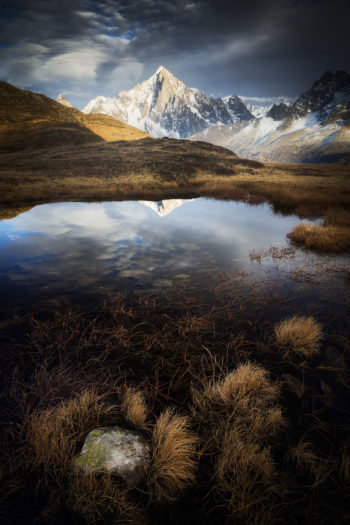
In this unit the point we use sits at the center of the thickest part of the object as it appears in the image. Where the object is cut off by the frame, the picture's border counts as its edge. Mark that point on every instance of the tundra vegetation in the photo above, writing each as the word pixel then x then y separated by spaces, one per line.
pixel 156 169
pixel 246 408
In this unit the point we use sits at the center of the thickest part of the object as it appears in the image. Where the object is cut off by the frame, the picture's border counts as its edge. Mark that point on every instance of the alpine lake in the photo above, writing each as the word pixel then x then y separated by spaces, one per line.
pixel 81 252
pixel 165 298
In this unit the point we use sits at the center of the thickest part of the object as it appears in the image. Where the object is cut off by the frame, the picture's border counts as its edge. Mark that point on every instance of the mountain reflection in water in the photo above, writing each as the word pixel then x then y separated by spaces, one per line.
pixel 166 206
pixel 78 248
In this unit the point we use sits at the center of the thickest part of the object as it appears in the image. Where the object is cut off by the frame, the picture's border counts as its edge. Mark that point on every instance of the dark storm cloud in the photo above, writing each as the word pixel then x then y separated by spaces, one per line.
pixel 256 47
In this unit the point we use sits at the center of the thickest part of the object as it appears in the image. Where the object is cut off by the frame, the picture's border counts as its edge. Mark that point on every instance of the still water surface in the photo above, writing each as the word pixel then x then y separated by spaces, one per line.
pixel 76 249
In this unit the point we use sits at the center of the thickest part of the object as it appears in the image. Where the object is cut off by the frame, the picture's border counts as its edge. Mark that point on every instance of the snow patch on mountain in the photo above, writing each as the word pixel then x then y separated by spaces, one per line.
pixel 314 128
pixel 260 106
pixel 62 100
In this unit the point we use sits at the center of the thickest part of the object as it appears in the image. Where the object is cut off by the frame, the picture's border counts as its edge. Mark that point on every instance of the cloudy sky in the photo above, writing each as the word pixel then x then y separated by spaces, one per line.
pixel 255 48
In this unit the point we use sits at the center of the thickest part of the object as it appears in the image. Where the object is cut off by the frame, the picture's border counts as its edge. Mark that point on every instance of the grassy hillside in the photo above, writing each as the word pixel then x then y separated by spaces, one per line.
pixel 73 156
pixel 33 120
pixel 109 128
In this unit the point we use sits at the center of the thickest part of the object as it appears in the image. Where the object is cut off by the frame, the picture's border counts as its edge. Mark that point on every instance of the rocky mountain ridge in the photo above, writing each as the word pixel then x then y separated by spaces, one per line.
pixel 314 127
pixel 165 106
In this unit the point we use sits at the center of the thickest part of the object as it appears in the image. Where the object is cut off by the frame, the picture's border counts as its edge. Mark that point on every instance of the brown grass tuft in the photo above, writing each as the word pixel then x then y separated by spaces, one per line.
pixel 299 335
pixel 53 434
pixel 54 437
pixel 237 419
pixel 247 383
pixel 323 238
pixel 135 408
pixel 337 217
pixel 173 460
pixel 96 497
pixel 246 396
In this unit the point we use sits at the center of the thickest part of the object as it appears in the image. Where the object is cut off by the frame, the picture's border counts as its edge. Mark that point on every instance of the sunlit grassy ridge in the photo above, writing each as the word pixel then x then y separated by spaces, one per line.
pixel 109 128
pixel 30 120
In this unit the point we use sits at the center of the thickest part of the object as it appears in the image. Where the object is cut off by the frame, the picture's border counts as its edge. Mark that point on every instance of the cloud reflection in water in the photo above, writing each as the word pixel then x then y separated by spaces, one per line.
pixel 85 247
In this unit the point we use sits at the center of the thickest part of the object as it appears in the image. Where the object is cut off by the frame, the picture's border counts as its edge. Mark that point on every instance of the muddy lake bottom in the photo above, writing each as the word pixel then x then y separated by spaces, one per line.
pixel 166 297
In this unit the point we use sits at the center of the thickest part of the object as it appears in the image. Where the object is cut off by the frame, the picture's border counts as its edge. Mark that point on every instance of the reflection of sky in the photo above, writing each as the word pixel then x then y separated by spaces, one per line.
pixel 68 247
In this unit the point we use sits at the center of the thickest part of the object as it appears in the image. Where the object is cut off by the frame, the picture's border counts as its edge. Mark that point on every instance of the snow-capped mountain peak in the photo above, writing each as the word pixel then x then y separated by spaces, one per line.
pixel 278 129
pixel 164 106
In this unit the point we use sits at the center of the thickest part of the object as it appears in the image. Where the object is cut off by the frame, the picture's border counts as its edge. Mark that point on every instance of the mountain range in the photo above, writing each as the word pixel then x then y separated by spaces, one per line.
pixel 313 128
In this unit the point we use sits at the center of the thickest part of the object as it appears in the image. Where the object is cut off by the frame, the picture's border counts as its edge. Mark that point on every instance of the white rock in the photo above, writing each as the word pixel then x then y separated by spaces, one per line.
pixel 115 450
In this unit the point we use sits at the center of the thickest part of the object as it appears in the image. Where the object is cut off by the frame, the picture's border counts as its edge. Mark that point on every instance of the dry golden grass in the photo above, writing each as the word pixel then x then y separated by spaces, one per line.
pixel 134 407
pixel 300 336
pixel 33 119
pixel 244 393
pixel 330 239
pixel 302 454
pixel 337 217
pixel 246 480
pixel 53 434
pixel 307 190
pixel 248 383
pixel 96 497
pixel 9 213
pixel 167 344
pixel 237 418
pixel 173 461
pixel 109 128
pixel 317 469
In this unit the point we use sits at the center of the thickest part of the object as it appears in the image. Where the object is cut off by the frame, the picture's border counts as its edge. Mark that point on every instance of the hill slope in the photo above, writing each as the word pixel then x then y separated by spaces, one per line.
pixel 33 120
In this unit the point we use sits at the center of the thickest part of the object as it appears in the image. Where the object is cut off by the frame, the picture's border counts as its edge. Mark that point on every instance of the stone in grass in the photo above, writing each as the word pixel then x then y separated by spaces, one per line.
pixel 115 450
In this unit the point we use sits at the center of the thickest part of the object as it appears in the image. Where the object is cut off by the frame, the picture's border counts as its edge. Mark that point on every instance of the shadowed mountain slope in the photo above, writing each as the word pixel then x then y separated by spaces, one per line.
pixel 315 128
pixel 33 120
